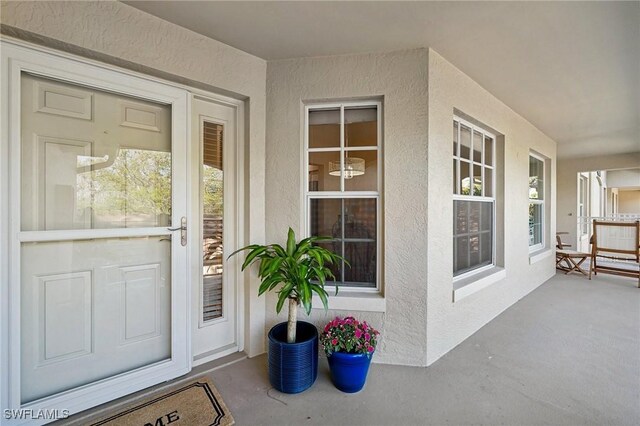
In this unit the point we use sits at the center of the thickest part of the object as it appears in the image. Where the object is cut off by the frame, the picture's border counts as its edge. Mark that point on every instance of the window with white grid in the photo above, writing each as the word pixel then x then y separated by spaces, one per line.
pixel 474 171
pixel 343 181
pixel 536 203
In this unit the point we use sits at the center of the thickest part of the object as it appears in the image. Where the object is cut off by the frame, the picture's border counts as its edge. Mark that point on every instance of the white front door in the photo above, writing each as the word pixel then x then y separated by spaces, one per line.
pixel 97 277
pixel 214 291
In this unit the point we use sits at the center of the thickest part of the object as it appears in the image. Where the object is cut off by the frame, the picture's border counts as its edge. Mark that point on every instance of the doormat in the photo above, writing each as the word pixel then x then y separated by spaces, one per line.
pixel 196 403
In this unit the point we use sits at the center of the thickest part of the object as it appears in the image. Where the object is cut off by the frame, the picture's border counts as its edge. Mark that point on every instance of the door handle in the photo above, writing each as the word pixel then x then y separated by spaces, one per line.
pixel 183 230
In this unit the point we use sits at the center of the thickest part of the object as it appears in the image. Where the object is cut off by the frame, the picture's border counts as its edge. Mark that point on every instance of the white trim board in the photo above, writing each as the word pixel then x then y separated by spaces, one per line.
pixel 479 282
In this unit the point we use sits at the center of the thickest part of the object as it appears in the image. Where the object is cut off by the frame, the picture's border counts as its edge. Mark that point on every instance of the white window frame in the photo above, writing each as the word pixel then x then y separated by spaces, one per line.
pixel 459 197
pixel 542 244
pixel 583 200
pixel 342 194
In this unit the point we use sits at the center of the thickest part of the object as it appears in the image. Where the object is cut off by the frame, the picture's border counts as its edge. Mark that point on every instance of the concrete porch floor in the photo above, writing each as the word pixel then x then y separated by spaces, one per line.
pixel 568 353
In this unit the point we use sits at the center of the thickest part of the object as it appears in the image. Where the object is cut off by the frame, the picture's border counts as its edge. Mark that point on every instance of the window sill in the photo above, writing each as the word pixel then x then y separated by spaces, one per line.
pixel 538 255
pixel 470 285
pixel 354 301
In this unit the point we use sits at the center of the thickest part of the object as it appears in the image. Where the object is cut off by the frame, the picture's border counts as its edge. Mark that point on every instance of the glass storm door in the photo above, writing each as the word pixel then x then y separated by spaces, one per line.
pixel 213 289
pixel 98 171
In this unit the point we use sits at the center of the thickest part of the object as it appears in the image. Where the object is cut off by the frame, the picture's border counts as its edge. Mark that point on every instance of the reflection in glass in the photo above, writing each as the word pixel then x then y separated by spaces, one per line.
pixel 477 180
pixel 319 177
pixel 455 174
pixel 477 147
pixel 473 234
pixel 362 257
pixel 134 192
pixel 465 180
pixel 535 223
pixel 92 159
pixel 455 138
pixel 536 178
pixel 461 254
pixel 488 151
pixel 488 182
pixel 336 268
pixel 324 128
pixel 352 225
pixel 465 142
pixel 132 189
pixel 323 215
pixel 212 192
pixel 361 126
pixel 360 219
pixel 368 180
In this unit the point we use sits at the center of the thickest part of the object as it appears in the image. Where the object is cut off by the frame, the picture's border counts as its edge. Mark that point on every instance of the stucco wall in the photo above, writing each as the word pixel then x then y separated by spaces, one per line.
pixel 449 323
pixel 401 79
pixel 623 178
pixel 568 186
pixel 629 201
pixel 117 33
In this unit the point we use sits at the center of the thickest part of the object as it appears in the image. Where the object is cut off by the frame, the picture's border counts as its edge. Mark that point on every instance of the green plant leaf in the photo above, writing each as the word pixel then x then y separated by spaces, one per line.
pixel 300 270
pixel 269 283
pixel 291 242
pixel 250 247
pixel 322 294
pixel 264 264
pixel 274 265
pixel 277 279
pixel 288 289
pixel 277 248
pixel 306 296
pixel 252 255
pixel 316 256
pixel 282 297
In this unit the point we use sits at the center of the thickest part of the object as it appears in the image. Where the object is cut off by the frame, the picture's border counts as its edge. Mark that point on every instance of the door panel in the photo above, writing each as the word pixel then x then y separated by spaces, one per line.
pixel 214 287
pixel 109 168
pixel 94 307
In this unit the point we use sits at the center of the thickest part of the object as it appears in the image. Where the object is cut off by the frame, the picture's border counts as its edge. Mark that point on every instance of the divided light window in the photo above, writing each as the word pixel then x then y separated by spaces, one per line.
pixel 342 186
pixel 474 170
pixel 536 203
pixel 583 220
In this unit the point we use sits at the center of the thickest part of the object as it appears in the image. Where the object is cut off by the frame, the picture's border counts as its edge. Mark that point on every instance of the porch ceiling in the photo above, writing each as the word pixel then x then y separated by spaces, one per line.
pixel 570 68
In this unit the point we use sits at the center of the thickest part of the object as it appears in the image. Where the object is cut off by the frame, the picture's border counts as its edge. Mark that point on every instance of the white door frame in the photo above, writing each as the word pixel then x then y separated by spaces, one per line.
pixel 195 210
pixel 16 58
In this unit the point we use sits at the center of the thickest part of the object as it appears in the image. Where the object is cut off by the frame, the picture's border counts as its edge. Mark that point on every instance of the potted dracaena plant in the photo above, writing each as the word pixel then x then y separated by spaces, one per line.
pixel 295 272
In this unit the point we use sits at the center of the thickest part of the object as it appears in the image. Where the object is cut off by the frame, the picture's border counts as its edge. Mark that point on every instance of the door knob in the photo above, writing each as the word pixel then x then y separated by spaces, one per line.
pixel 183 230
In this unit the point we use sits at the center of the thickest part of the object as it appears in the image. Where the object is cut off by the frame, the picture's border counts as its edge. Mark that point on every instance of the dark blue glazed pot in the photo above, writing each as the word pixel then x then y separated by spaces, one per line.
pixel 293 367
pixel 349 371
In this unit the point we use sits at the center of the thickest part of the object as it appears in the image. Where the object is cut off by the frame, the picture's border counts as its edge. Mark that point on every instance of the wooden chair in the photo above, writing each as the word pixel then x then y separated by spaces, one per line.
pixel 619 242
pixel 559 244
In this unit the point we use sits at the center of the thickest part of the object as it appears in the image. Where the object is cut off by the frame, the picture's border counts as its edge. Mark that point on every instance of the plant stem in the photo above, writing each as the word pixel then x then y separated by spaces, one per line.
pixel 291 323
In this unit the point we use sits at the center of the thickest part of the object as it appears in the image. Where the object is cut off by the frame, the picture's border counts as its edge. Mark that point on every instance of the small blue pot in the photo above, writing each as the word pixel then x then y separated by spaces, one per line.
pixel 293 367
pixel 349 371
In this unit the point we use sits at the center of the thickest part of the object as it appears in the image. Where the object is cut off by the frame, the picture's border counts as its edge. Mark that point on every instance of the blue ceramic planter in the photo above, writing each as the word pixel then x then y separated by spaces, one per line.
pixel 293 367
pixel 349 371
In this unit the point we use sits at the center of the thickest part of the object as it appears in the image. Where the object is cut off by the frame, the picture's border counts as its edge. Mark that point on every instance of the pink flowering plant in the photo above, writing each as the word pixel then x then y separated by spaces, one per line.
pixel 350 336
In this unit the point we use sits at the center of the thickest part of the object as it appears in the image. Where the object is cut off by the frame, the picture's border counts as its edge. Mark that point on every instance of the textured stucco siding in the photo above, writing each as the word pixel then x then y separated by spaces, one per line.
pixel 115 32
pixel 400 78
pixel 448 322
